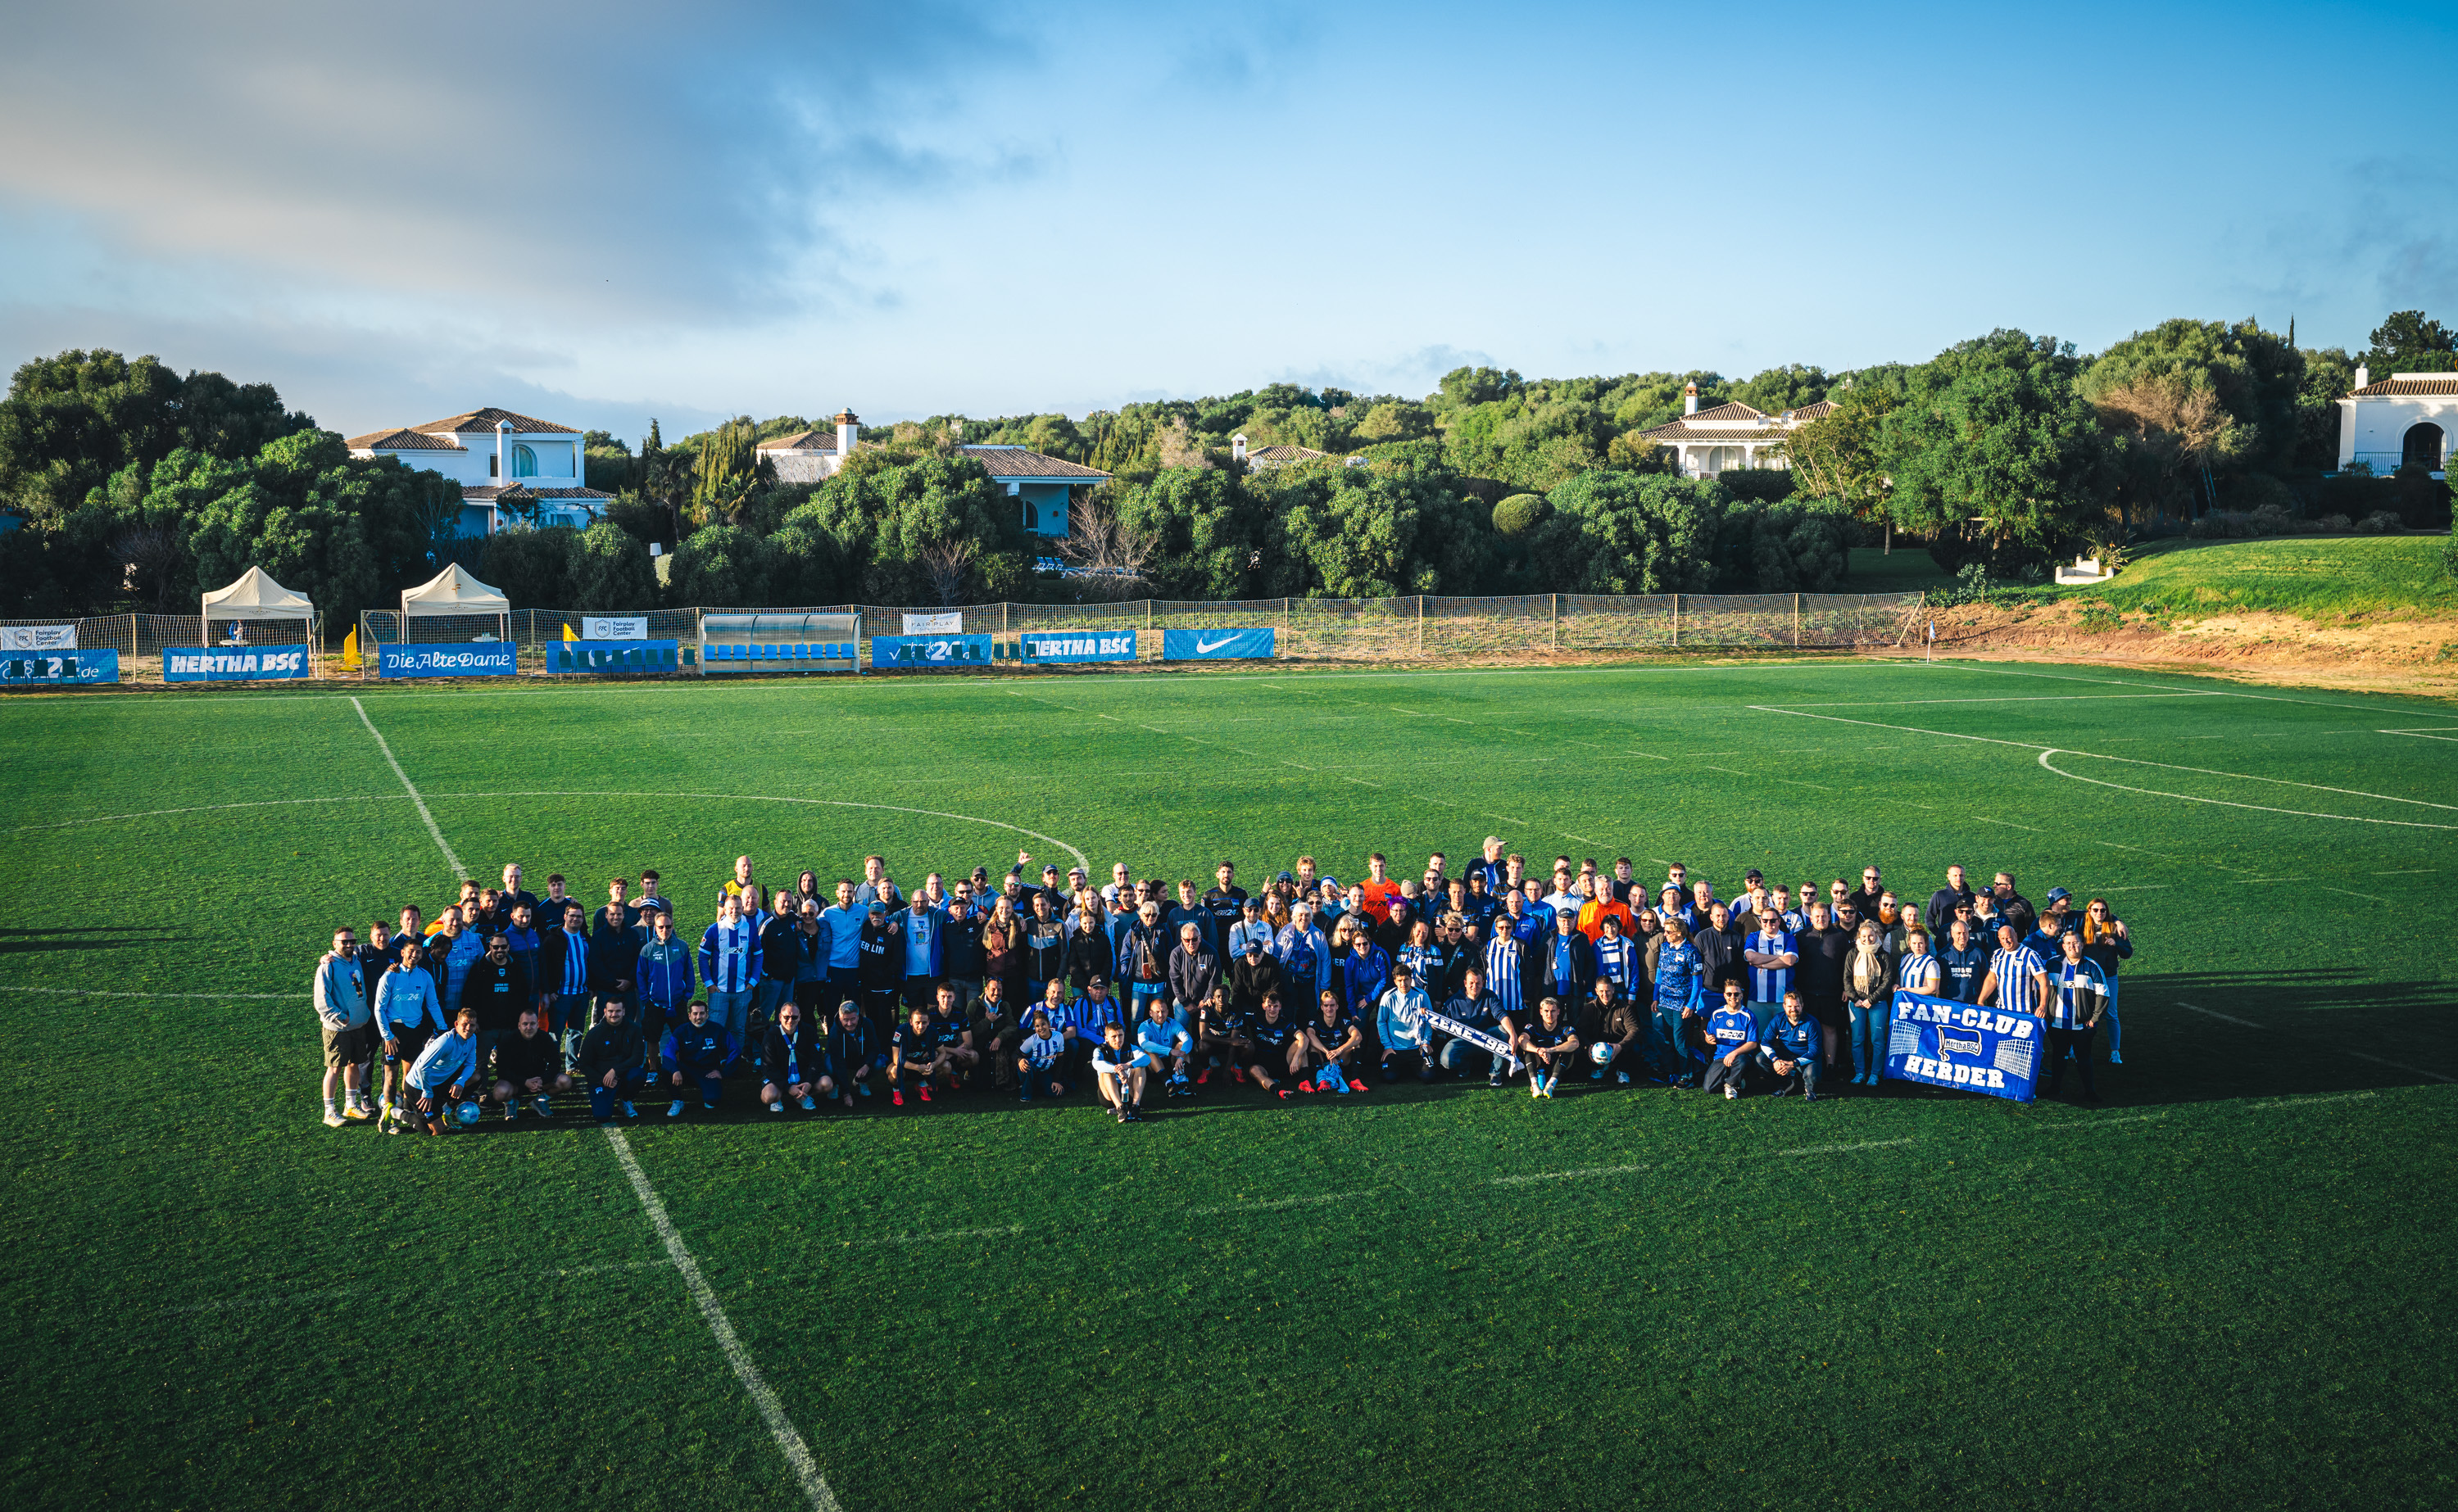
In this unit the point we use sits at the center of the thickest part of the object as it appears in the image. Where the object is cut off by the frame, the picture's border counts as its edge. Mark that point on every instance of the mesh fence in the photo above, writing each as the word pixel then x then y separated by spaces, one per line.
pixel 140 639
pixel 1385 630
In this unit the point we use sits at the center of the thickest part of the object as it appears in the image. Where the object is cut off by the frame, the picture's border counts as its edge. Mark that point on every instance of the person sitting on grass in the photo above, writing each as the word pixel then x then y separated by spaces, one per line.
pixel 958 1059
pixel 1118 1069
pixel 1477 1009
pixel 698 1051
pixel 1041 1058
pixel 1167 1046
pixel 1266 1044
pixel 1791 1050
pixel 1332 1042
pixel 529 1063
pixel 913 1056
pixel 1400 1025
pixel 1623 1031
pixel 1732 1042
pixel 793 1065
pixel 611 1061
pixel 1550 1046
pixel 853 1051
pixel 449 1062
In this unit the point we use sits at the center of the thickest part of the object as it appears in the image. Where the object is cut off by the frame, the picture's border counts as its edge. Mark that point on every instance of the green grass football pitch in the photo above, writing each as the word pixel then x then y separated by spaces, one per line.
pixel 2230 1286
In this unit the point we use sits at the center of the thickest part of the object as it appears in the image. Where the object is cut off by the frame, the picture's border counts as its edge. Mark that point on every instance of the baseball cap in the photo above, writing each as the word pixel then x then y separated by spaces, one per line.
pixel 1076 871
pixel 1252 905
pixel 1754 874
pixel 879 906
pixel 1286 877
pixel 1050 869
pixel 1254 944
pixel 1096 978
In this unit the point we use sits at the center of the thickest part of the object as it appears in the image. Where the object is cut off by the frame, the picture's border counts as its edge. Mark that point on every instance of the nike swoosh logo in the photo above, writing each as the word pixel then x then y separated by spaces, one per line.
pixel 1201 644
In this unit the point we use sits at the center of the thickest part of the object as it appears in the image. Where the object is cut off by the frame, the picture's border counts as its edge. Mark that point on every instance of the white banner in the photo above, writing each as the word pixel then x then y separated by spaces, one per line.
pixel 952 623
pixel 37 637
pixel 1492 1045
pixel 636 628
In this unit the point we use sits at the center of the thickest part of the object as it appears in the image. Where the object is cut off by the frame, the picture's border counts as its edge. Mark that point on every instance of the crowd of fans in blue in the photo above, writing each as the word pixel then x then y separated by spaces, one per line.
pixel 1034 990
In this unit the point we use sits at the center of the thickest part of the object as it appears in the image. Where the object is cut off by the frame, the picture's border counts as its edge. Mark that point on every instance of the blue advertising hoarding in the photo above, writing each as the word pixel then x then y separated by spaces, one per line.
pixel 1215 645
pixel 929 653
pixel 474 659
pixel 1943 1043
pixel 233 663
pixel 1045 646
pixel 58 669
pixel 614 657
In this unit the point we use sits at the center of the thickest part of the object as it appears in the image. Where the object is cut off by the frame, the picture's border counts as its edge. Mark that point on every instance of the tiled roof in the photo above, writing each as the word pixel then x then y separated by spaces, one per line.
pixel 488 493
pixel 1016 462
pixel 1730 411
pixel 1678 431
pixel 485 420
pixel 1817 411
pixel 1284 454
pixel 801 441
pixel 2422 384
pixel 402 441
pixel 1737 421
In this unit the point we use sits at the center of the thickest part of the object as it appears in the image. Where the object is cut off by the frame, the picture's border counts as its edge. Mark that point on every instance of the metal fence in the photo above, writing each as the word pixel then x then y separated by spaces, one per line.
pixel 140 639
pixel 1389 629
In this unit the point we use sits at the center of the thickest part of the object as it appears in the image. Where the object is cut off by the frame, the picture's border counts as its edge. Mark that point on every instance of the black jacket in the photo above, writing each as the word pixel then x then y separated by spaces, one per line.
pixel 848 1050
pixel 614 956
pixel 610 1047
pixel 1823 952
pixel 497 994
pixel 1088 953
pixel 1250 980
pixel 780 947
pixel 882 956
pixel 519 1059
pixel 808 1049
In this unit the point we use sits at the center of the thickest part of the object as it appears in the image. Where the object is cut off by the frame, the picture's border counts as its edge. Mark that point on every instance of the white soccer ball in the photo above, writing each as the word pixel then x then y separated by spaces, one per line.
pixel 1601 1054
pixel 468 1112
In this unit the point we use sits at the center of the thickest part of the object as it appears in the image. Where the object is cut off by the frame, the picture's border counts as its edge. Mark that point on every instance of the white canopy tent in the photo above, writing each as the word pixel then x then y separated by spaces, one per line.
pixel 256 598
pixel 454 594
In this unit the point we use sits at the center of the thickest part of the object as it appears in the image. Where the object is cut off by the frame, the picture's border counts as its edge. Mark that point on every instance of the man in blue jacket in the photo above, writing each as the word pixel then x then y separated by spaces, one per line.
pixel 1680 993
pixel 666 978
pixel 1963 962
pixel 1789 1050
pixel 700 1051
pixel 342 1010
pixel 1400 1025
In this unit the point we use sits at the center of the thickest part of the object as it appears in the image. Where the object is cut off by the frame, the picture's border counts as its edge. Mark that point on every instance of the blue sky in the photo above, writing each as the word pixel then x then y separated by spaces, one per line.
pixel 600 212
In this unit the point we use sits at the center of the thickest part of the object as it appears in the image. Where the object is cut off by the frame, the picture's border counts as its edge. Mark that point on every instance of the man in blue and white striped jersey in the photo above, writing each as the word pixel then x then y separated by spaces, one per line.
pixel 2018 979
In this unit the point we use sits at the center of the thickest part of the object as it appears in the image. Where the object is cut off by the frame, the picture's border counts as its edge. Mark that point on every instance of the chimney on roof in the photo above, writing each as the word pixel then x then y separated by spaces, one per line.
pixel 2364 376
pixel 846 420
pixel 1689 399
pixel 1238 448
pixel 503 462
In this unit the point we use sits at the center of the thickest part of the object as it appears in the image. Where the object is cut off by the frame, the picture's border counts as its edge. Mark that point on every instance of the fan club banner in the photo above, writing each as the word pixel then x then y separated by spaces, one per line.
pixel 1943 1043
pixel 1077 644
pixel 60 669
pixel 632 628
pixel 1215 645
pixel 1490 1043
pixel 952 623
pixel 232 664
pixel 930 652
pixel 485 659
pixel 38 637
pixel 613 655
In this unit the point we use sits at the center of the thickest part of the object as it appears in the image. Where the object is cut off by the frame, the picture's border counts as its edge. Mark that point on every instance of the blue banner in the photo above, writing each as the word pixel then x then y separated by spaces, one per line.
pixel 605 656
pixel 58 669
pixel 233 663
pixel 486 658
pixel 1077 644
pixel 1213 645
pixel 930 652
pixel 1945 1043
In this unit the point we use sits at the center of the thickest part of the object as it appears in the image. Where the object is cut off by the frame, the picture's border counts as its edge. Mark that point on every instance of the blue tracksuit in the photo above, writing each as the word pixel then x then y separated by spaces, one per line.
pixel 1964 970
pixel 1680 978
pixel 1362 977
pixel 407 1001
pixel 703 1054
pixel 448 1058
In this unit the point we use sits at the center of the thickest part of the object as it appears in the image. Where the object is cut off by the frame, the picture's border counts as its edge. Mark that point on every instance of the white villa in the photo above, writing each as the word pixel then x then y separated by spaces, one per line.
pixel 1707 442
pixel 491 453
pixel 2402 420
pixel 810 456
pixel 1040 485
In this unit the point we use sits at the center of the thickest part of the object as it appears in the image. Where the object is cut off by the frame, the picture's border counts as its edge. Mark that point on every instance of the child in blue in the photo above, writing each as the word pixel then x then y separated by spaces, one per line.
pixel 698 1051
pixel 1041 1060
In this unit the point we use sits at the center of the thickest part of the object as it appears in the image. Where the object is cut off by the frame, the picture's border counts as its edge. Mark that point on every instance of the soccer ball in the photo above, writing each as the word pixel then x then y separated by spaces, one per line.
pixel 1601 1054
pixel 468 1113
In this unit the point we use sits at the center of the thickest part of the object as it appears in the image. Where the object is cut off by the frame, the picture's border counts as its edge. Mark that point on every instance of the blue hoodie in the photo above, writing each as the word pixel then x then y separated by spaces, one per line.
pixel 407 1001
pixel 1400 1019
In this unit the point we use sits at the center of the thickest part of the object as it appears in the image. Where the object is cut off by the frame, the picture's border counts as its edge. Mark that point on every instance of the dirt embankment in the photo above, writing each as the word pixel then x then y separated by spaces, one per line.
pixel 2379 654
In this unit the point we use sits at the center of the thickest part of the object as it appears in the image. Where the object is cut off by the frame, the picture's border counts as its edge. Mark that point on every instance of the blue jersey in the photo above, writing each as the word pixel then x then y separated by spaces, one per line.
pixel 843 929
pixel 1728 1029
pixel 2077 993
pixel 1787 1041
pixel 1619 962
pixel 1681 975
pixel 1965 970
pixel 702 1049
pixel 2016 991
pixel 1163 1039
pixel 1769 983
pixel 1502 969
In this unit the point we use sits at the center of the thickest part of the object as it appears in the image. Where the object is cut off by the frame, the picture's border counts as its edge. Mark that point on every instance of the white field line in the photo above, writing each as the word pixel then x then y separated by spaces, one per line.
pixel 385 746
pixel 1589 1173
pixel 2402 1065
pixel 2309 1102
pixel 1837 1150
pixel 206 808
pixel 2259 808
pixel 1008 1232
pixel 2049 697
pixel 1276 1204
pixel 2214 1013
pixel 2447 732
pixel 85 992
pixel 2064 1123
pixel 789 1440
pixel 1081 860
pixel 2112 682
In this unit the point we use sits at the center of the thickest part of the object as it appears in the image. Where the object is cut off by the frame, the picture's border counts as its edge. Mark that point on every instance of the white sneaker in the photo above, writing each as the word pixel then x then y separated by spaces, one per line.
pixel 1731 1091
pixel 674 1109
pixel 332 1119
pixel 774 1108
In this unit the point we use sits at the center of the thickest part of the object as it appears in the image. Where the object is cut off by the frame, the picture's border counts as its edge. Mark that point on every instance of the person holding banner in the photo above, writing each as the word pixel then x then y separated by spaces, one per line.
pixel 1790 1047
pixel 2077 998
pixel 1962 959
pixel 1732 1044
pixel 1400 1025
pixel 1918 971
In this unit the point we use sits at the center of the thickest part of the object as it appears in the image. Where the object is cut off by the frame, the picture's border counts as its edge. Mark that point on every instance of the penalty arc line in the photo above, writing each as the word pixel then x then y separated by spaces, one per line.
pixel 432 828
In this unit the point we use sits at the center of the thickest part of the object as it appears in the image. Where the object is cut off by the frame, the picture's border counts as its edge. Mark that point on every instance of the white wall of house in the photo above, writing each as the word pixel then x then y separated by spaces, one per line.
pixel 2374 429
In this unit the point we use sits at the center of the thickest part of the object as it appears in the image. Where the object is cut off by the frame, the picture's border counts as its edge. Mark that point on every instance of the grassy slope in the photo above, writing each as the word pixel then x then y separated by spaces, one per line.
pixel 2318 579
pixel 2234 1297
pixel 1906 569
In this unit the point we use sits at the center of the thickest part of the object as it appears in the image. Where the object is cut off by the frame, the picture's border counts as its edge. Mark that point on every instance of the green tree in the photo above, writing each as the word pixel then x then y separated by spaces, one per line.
pixel 723 567
pixel 2329 376
pixel 1208 530
pixel 344 530
pixel 919 530
pixel 1992 451
pixel 2410 341
pixel 533 568
pixel 1620 533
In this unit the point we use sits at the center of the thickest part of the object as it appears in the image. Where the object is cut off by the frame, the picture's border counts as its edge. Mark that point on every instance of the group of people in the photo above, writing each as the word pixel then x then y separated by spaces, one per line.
pixel 1037 988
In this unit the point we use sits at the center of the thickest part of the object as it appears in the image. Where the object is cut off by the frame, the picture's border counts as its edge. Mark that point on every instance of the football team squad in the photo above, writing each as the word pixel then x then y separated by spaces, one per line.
pixel 809 1000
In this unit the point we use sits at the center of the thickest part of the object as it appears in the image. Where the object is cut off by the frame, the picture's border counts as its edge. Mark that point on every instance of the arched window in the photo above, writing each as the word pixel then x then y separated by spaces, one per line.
pixel 2423 444
pixel 1031 516
pixel 524 462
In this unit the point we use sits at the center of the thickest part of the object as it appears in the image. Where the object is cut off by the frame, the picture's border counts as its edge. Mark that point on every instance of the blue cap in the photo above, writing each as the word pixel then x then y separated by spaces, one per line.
pixel 2058 895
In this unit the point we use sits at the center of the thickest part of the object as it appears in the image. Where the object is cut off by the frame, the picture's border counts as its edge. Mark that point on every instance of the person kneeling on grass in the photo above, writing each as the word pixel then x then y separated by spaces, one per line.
pixel 1791 1050
pixel 1041 1060
pixel 408 1013
pixel 1400 1023
pixel 1163 1041
pixel 854 1054
pixel 1118 1069
pixel 794 1065
pixel 611 1061
pixel 958 1060
pixel 1268 1045
pixel 1549 1046
pixel 913 1056
pixel 449 1062
pixel 1332 1041
pixel 698 1050
pixel 529 1063
pixel 1732 1044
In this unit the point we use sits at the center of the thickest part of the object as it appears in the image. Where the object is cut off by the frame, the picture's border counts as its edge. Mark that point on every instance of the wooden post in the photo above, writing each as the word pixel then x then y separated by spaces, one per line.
pixel 1677 622
pixel 1421 624
pixel 1557 622
pixel 1796 621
